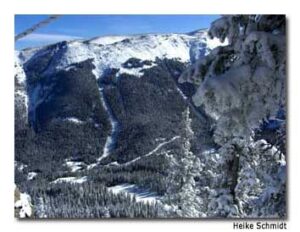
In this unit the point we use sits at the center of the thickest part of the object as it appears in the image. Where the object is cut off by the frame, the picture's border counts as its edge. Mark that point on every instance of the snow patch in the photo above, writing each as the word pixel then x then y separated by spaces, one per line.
pixel 138 72
pixel 115 163
pixel 182 94
pixel 19 71
pixel 73 120
pixel 141 195
pixel 72 179
pixel 31 175
pixel 91 166
pixel 20 166
pixel 74 166
pixel 24 205
pixel 209 151
pixel 160 139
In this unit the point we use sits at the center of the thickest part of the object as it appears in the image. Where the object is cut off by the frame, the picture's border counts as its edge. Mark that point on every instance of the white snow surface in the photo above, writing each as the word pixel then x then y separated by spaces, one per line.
pixel 105 149
pixel 105 40
pixel 113 123
pixel 19 72
pixel 71 179
pixel 113 51
pixel 31 175
pixel 152 152
pixel 20 166
pixel 141 195
pixel 20 78
pixel 74 166
pixel 157 148
pixel 24 204
pixel 74 120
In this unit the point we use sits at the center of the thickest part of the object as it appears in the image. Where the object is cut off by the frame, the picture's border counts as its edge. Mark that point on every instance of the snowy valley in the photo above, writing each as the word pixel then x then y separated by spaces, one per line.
pixel 155 125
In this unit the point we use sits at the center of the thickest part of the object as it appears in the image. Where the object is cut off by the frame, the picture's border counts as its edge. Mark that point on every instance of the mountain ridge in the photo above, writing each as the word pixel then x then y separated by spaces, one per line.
pixel 115 63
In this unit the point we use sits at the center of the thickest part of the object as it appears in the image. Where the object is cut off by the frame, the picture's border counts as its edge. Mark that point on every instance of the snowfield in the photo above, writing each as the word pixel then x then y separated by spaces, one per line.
pixel 74 166
pixel 113 51
pixel 141 195
pixel 72 179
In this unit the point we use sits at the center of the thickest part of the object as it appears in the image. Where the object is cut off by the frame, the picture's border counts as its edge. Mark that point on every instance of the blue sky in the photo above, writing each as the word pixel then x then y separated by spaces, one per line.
pixel 70 27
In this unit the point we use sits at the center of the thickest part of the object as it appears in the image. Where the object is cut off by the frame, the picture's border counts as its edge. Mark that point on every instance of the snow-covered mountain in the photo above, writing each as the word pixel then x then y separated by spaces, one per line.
pixel 107 72
pixel 110 102
pixel 130 116
pixel 131 55
pixel 109 55
pixel 114 51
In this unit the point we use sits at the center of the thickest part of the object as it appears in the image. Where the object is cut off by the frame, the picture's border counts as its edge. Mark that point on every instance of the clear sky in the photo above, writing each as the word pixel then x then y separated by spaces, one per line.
pixel 70 27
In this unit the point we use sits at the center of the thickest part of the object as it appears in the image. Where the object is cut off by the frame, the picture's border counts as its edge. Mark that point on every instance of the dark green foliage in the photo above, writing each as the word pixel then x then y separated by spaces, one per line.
pixel 274 131
pixel 52 139
pixel 136 63
pixel 88 200
pixel 148 173
pixel 146 109
pixel 38 64
pixel 72 93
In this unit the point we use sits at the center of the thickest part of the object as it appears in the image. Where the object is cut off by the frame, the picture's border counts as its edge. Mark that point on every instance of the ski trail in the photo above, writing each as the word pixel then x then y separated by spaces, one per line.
pixel 110 141
pixel 159 146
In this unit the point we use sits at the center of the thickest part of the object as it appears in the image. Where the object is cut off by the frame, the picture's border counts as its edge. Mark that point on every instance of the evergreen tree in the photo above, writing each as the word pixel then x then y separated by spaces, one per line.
pixel 181 190
pixel 242 88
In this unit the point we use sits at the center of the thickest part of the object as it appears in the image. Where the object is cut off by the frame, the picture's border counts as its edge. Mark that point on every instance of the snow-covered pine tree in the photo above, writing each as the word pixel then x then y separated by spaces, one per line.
pixel 182 196
pixel 241 86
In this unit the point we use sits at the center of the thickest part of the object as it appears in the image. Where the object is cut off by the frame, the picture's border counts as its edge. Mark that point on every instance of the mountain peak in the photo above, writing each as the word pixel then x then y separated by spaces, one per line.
pixel 113 51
